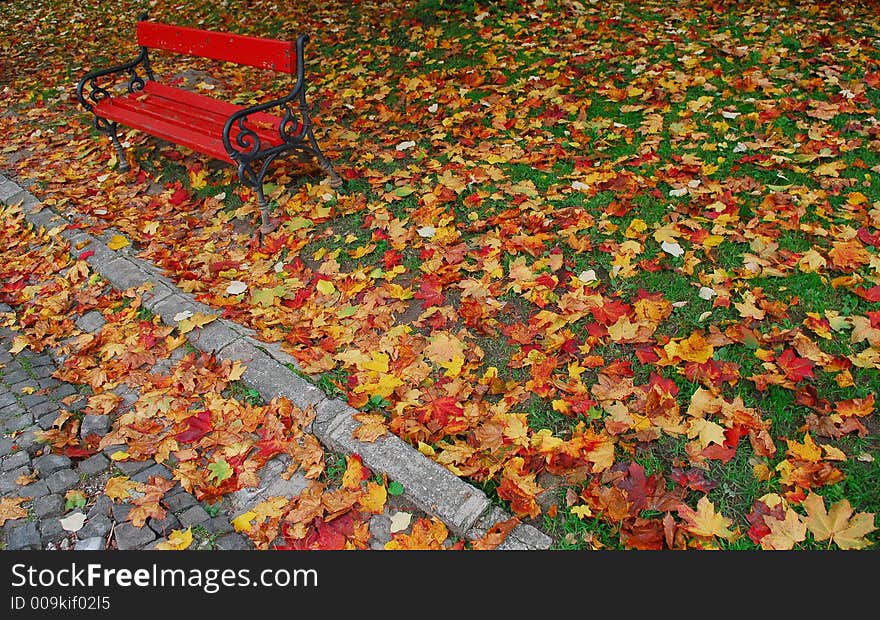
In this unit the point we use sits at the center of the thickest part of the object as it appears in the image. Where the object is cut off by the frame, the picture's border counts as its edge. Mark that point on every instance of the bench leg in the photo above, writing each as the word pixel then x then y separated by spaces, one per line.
pixel 120 152
pixel 266 225
pixel 335 179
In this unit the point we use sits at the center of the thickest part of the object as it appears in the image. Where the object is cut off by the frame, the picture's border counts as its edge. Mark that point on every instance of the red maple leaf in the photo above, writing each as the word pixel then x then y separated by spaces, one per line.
pixel 430 292
pixel 196 427
pixel 610 311
pixel 444 408
pixel 795 367
pixel 870 294
pixel 694 479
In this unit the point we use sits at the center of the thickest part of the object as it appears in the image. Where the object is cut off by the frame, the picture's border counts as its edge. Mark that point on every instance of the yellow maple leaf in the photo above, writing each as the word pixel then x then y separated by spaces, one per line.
pixel 237 370
pixel 706 522
pixel 354 473
pixel 199 319
pixel 374 499
pixel 694 348
pixel 117 242
pixel 198 179
pixel 242 523
pixel 177 541
pixel 325 287
pixel 19 344
pixel 581 511
pixel 119 488
pixel 838 524
pixel 377 362
pixel 708 431
pixel 807 451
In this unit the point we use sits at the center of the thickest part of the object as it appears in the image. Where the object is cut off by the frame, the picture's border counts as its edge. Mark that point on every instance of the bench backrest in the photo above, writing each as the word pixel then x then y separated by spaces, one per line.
pixel 241 49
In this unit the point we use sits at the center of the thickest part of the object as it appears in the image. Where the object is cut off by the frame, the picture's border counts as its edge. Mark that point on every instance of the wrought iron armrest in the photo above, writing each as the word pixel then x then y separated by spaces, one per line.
pixel 97 92
pixel 247 143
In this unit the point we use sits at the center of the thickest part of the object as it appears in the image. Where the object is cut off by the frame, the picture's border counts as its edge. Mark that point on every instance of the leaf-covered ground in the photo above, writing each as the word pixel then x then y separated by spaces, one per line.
pixel 615 263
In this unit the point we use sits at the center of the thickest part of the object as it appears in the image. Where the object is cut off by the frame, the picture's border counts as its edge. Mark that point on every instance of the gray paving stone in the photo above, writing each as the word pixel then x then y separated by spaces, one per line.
pixel 163 527
pixel 109 450
pixel 8 479
pixel 15 460
pixel 380 527
pixel 28 440
pixel 233 542
pixel 128 395
pixel 162 290
pixel 179 501
pixel 95 464
pixel 50 463
pixel 173 305
pixel 219 524
pixel 49 506
pixel 47 383
pixel 276 352
pixel 36 489
pixel 11 410
pixel 23 536
pixel 51 531
pixel 6 398
pixel 97 525
pixel 92 321
pixel 102 506
pixel 11 193
pixel 120 512
pixel 44 218
pixel 160 471
pixel 427 484
pixel 213 336
pixel 194 515
pixel 16 379
pixel 62 480
pixel 6 444
pixel 64 390
pixel 16 423
pixel 130 468
pixel 32 400
pixel 130 537
pixel 94 425
pixel 95 543
pixel 44 407
pixel 47 421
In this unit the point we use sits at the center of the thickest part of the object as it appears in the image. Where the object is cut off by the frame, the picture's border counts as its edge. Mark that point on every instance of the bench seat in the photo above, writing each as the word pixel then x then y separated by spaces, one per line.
pixel 186 118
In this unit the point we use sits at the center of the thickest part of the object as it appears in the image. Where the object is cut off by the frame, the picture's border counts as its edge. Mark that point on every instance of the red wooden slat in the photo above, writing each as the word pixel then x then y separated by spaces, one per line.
pixel 241 49
pixel 190 119
pixel 172 132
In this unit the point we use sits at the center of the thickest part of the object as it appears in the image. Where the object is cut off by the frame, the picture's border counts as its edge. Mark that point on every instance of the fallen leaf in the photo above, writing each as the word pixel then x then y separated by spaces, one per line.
pixel 177 541
pixel 10 508
pixel 838 524
pixel 117 242
pixel 73 522
pixel 400 521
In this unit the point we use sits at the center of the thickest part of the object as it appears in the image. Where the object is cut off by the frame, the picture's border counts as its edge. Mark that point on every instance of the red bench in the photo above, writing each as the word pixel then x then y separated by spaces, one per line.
pixel 250 137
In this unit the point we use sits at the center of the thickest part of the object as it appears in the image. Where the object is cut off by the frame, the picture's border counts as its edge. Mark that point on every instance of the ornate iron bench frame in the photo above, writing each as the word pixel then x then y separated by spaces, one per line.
pixel 249 149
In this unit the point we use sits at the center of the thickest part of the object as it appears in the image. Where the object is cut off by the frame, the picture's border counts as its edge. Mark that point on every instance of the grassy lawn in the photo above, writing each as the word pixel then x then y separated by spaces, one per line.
pixel 617 264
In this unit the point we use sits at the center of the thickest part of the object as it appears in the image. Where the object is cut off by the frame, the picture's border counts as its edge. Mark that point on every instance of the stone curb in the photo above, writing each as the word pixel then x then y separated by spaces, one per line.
pixel 463 508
